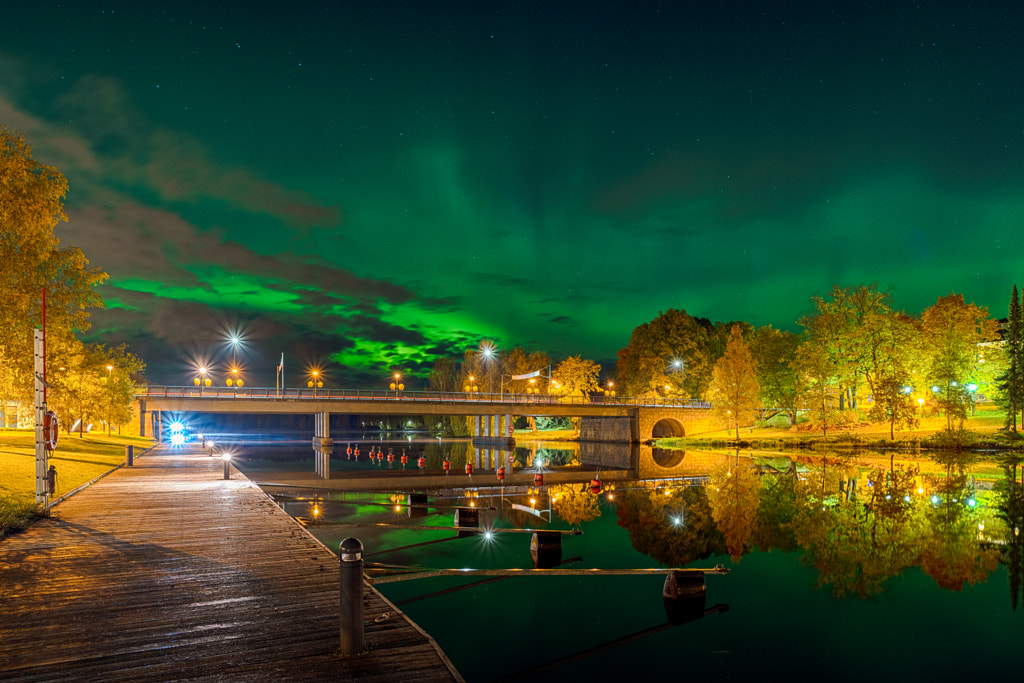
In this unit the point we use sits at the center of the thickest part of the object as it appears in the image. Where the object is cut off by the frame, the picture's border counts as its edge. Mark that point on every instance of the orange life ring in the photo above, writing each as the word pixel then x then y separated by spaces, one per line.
pixel 50 430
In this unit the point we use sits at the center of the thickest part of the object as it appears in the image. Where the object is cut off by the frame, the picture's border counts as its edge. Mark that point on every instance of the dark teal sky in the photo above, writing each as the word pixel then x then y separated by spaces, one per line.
pixel 367 185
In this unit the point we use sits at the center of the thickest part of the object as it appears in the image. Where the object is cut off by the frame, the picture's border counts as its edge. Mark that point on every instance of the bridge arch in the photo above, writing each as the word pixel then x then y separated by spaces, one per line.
pixel 668 427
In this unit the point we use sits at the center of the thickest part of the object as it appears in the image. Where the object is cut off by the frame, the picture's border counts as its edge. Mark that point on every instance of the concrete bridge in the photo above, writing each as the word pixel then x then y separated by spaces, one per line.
pixel 603 418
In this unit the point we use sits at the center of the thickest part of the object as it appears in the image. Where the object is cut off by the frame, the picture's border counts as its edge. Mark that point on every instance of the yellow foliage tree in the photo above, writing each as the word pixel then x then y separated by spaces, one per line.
pixel 31 261
pixel 735 390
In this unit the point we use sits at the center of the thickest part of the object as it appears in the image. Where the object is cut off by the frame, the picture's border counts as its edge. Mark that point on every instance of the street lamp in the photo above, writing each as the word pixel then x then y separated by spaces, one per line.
pixel 204 382
pixel 397 385
pixel 487 350
pixel 680 365
pixel 315 382
pixel 470 387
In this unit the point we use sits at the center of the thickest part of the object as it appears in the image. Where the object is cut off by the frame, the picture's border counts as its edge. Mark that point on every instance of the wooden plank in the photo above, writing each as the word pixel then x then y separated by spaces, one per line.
pixel 167 571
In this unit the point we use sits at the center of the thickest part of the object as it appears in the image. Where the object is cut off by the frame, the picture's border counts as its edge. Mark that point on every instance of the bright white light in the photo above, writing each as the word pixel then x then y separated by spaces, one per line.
pixel 177 439
pixel 177 427
pixel 488 535
pixel 972 502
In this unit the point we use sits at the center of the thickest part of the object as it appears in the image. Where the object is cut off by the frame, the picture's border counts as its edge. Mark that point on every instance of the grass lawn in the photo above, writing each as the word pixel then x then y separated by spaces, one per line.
pixel 77 459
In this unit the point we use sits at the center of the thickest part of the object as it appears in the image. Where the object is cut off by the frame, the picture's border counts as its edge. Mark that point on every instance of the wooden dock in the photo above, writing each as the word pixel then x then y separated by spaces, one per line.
pixel 165 571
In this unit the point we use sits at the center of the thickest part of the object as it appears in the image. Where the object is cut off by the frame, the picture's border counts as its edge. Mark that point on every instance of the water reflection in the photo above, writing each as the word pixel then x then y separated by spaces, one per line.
pixel 859 519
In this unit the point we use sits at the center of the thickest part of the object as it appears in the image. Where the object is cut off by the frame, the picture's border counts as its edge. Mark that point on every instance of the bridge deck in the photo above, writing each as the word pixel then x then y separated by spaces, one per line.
pixel 166 571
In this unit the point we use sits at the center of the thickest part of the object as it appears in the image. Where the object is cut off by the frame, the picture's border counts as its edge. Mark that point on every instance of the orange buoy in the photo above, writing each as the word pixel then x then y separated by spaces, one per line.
pixel 538 479
pixel 501 473
pixel 422 462
pixel 405 459
pixel 595 486
pixel 469 468
pixel 447 466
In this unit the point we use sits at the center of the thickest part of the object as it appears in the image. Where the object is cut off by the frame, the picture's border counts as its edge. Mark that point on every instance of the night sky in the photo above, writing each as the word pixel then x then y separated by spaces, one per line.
pixel 370 185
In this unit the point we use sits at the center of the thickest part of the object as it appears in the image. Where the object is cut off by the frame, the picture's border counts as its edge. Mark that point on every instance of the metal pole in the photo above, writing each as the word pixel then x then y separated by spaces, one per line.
pixel 350 556
pixel 129 455
pixel 227 467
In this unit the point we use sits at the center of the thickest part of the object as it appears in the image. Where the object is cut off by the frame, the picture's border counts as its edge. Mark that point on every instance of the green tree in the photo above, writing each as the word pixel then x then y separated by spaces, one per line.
pixel 735 391
pixel 775 354
pixel 31 260
pixel 953 331
pixel 645 364
pixel 819 375
pixel 1012 381
pixel 841 330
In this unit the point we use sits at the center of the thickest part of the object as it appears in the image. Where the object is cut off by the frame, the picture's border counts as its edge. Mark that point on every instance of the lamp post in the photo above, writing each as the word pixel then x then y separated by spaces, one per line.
pixel 315 382
pixel 470 387
pixel 204 382
pixel 487 350
pixel 397 385
pixel 680 365
pixel 110 397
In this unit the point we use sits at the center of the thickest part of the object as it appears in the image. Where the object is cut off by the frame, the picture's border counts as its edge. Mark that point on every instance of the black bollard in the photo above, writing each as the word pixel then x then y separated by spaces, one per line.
pixel 350 556
pixel 129 455
pixel 227 466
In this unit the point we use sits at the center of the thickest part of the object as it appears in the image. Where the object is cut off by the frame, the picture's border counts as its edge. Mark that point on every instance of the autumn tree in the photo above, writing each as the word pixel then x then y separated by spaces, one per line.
pixel 892 362
pixel 819 376
pixel 952 332
pixel 735 391
pixel 774 352
pixel 645 364
pixel 31 260
pixel 575 377
pixel 840 330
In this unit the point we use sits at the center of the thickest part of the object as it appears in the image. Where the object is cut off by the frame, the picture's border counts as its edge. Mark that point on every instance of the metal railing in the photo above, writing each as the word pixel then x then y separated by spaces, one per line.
pixel 264 393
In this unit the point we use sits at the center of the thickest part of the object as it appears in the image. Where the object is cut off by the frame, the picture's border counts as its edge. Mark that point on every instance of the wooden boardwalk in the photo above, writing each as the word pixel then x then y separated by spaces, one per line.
pixel 165 571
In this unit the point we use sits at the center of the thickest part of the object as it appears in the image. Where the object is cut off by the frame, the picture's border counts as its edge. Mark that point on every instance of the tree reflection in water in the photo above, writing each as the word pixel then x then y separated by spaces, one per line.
pixel 855 541
pixel 574 503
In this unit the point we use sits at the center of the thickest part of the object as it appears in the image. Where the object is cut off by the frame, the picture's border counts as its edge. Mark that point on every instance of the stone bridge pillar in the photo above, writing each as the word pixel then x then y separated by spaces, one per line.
pixel 488 430
pixel 322 430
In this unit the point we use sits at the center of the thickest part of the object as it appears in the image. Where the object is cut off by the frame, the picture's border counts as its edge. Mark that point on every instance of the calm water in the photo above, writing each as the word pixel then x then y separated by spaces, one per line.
pixel 829 578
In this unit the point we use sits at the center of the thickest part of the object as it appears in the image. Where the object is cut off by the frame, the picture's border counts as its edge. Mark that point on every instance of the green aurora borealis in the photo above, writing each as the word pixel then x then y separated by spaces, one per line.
pixel 369 185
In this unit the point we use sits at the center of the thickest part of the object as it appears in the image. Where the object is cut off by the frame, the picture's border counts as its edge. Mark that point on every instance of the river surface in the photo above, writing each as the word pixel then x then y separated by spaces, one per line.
pixel 841 566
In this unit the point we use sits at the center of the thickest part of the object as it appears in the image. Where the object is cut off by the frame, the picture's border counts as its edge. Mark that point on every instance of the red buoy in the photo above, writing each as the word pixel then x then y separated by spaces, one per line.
pixel 350 449
pixel 422 462
pixel 405 459
pixel 501 474
pixel 391 457
pixel 357 451
pixel 469 468
pixel 538 479
pixel 595 486
pixel 447 466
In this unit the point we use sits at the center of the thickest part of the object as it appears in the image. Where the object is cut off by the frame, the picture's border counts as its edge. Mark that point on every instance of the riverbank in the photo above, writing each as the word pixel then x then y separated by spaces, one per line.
pixel 78 459
pixel 982 432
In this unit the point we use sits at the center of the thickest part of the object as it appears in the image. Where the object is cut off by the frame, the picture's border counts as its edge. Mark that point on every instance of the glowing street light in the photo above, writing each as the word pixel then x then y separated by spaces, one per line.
pixel 397 385
pixel 203 381
pixel 315 382
pixel 470 387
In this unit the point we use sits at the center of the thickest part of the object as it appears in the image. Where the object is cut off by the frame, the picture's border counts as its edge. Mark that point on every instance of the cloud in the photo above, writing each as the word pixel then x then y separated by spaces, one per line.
pixel 103 138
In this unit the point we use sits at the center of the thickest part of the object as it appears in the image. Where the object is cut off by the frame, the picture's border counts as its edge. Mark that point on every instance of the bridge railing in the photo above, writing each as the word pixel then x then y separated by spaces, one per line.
pixel 263 393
